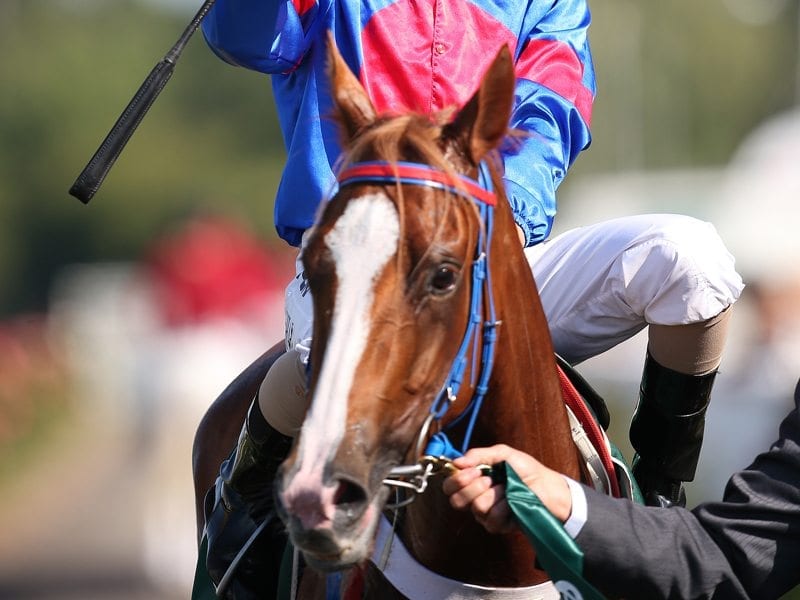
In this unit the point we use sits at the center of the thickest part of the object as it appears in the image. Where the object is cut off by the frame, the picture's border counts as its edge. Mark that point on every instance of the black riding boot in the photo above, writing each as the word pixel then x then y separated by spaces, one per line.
pixel 667 431
pixel 239 503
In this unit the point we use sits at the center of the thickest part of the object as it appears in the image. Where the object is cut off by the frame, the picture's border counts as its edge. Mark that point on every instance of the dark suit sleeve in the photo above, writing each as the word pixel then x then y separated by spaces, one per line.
pixel 746 546
pixel 633 551
pixel 757 527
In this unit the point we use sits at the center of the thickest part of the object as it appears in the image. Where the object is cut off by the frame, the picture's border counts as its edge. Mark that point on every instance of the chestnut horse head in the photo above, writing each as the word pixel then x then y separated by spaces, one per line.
pixel 419 285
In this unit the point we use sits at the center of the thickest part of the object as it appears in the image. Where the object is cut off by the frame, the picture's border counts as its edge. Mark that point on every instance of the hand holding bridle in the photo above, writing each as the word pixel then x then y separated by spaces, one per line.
pixel 470 488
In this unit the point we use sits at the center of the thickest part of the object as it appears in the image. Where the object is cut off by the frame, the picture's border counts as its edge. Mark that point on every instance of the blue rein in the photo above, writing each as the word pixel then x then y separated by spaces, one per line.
pixel 475 351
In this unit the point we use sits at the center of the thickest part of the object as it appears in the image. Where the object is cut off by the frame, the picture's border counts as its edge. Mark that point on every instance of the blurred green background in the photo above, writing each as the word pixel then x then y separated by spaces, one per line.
pixel 681 85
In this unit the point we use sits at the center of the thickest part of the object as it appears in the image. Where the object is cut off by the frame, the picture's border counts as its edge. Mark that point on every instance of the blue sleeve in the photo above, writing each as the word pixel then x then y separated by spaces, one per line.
pixel 270 36
pixel 552 109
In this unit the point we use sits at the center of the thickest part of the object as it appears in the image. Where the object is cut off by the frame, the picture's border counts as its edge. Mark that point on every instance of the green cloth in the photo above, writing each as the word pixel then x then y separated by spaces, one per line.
pixel 285 581
pixel 556 551
pixel 202 589
pixel 634 493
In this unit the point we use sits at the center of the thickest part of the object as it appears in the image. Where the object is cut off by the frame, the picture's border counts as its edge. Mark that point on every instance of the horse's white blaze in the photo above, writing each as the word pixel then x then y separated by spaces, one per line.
pixel 361 244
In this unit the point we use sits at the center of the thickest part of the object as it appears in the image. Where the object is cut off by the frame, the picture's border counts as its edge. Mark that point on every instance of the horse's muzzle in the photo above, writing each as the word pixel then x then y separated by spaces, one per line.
pixel 331 523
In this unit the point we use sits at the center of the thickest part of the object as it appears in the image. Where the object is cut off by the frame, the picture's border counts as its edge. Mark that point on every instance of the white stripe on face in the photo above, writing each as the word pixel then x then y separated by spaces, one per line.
pixel 361 243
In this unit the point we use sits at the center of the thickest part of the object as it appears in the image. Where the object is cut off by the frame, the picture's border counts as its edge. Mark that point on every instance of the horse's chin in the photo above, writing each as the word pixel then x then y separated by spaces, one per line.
pixel 341 546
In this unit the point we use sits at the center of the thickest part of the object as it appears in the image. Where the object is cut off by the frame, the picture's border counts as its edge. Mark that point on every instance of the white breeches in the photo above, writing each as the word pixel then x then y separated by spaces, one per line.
pixel 602 283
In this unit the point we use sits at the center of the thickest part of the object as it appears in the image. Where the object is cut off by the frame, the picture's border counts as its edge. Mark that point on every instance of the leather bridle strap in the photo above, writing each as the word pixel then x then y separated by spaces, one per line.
pixel 409 173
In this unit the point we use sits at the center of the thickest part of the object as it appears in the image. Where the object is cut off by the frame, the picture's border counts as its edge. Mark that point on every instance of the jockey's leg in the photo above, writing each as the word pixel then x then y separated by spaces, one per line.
pixel 220 426
pixel 603 283
pixel 282 397
pixel 241 501
pixel 667 428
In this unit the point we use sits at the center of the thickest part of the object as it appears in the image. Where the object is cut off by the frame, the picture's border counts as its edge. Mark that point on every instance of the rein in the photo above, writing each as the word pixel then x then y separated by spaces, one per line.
pixel 474 350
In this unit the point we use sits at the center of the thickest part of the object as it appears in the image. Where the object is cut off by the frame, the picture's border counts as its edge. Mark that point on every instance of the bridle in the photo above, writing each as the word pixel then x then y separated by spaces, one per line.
pixel 435 454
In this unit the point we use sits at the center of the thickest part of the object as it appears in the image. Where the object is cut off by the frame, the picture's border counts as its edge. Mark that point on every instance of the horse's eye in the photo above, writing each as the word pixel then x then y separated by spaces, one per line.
pixel 443 279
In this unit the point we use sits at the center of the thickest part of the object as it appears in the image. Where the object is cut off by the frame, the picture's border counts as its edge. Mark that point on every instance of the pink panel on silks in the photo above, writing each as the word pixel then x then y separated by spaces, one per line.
pixel 403 71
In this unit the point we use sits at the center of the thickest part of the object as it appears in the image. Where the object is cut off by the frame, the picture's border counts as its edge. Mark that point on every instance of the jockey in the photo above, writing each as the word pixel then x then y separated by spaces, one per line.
pixel 599 284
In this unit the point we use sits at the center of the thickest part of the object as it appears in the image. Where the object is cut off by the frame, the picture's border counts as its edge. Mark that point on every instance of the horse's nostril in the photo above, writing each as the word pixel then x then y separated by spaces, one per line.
pixel 349 494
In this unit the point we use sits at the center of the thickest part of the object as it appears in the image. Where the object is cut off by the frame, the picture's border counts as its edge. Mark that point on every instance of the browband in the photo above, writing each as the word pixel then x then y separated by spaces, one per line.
pixel 417 174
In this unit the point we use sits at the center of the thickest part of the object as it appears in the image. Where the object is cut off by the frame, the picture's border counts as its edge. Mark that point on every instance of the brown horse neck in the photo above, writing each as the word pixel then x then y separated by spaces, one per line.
pixel 524 409
pixel 532 416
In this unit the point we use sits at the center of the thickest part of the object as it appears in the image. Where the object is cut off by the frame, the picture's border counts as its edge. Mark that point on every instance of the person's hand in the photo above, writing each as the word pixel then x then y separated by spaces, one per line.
pixel 470 489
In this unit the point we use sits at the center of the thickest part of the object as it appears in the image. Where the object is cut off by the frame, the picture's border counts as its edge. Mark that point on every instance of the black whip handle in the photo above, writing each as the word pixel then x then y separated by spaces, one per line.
pixel 88 182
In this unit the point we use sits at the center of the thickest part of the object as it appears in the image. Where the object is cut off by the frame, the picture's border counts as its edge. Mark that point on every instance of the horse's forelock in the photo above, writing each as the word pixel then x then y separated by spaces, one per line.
pixel 413 137
pixel 406 137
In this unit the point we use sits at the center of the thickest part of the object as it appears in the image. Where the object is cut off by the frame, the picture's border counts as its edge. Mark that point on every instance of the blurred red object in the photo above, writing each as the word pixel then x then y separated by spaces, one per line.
pixel 214 267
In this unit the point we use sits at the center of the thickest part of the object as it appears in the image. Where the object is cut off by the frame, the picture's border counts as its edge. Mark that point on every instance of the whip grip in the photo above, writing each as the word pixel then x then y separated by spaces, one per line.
pixel 98 167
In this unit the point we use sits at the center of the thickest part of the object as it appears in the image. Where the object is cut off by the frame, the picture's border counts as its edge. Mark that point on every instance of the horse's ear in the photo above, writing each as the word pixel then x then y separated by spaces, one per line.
pixel 483 122
pixel 353 106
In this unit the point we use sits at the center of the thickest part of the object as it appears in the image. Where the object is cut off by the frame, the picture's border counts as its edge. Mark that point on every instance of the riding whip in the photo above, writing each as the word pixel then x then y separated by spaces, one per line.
pixel 92 176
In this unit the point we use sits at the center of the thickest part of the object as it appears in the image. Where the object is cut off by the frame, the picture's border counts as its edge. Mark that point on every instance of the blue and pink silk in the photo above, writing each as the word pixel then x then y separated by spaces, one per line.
pixel 420 55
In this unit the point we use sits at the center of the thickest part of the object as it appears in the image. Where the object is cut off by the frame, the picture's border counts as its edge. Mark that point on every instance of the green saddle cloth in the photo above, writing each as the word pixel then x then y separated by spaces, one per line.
pixel 556 551
pixel 202 588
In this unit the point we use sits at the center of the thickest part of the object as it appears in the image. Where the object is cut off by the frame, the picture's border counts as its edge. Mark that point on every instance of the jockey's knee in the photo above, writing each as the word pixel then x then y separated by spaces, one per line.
pixel 681 273
pixel 282 395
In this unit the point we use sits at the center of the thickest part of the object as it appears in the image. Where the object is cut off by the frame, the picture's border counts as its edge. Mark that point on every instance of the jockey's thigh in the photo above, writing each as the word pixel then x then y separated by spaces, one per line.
pixel 282 396
pixel 602 283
